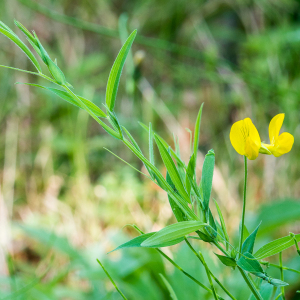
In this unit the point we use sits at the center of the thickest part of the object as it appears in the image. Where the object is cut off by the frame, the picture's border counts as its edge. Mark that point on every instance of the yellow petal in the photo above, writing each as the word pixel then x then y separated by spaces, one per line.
pixel 251 149
pixel 253 133
pixel 245 139
pixel 284 144
pixel 274 128
pixel 238 137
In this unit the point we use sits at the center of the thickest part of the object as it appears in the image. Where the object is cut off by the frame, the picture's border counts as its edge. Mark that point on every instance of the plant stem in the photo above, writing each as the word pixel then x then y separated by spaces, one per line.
pixel 184 272
pixel 252 287
pixel 281 275
pixel 244 204
pixel 279 267
pixel 112 281
pixel 177 266
pixel 208 271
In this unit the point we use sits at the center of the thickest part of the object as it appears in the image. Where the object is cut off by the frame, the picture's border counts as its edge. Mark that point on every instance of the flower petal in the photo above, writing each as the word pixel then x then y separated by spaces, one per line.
pixel 253 133
pixel 274 128
pixel 251 149
pixel 238 137
pixel 284 144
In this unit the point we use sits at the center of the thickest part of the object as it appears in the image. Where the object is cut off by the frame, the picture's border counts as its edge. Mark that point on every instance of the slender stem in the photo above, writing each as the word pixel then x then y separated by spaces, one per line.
pixel 252 287
pixel 281 275
pixel 184 272
pixel 278 296
pixel 244 204
pixel 112 281
pixel 177 266
pixel 210 274
pixel 279 267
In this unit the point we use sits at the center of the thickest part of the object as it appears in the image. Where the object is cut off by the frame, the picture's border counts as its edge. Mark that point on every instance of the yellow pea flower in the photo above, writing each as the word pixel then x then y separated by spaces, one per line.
pixel 279 144
pixel 245 138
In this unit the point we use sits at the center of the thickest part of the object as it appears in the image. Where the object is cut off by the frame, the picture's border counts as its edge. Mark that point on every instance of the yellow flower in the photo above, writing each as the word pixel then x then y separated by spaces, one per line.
pixel 279 144
pixel 245 138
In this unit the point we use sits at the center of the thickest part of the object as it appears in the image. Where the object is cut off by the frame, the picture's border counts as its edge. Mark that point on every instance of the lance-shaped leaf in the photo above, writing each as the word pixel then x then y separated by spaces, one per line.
pixel 65 96
pixel 177 211
pixel 197 133
pixel 173 232
pixel 222 224
pixel 276 246
pixel 190 171
pixel 115 73
pixel 5 30
pixel 173 172
pixel 207 177
pixel 137 241
pixel 248 244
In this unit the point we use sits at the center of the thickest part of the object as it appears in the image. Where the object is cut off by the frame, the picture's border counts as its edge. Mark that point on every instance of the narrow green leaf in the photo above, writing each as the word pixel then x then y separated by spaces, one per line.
pixel 169 287
pixel 212 229
pixel 65 96
pixel 9 34
pixel 151 151
pixel 190 171
pixel 173 232
pixel 173 172
pixel 174 154
pixel 227 261
pixel 115 73
pixel 26 32
pixel 164 185
pixel 135 242
pixel 248 244
pixel 207 177
pixel 226 236
pixel 248 263
pixel 276 246
pixel 197 133
pixel 177 211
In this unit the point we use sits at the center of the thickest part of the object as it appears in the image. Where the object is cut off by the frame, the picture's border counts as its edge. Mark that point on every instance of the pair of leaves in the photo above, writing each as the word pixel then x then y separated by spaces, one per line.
pixel 168 236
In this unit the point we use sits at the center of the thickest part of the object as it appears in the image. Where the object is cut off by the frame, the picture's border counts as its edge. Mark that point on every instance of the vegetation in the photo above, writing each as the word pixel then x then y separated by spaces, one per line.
pixel 64 197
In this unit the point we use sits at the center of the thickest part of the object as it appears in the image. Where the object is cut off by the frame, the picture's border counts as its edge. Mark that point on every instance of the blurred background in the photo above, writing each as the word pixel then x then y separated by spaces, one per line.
pixel 65 200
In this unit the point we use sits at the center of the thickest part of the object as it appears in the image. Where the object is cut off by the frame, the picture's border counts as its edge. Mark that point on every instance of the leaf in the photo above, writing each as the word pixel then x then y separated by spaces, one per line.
pixel 197 133
pixel 177 211
pixel 207 177
pixel 169 287
pixel 173 153
pixel 172 232
pixel 222 224
pixel 26 32
pixel 276 246
pixel 12 36
pixel 173 172
pixel 190 171
pixel 151 152
pixel 137 241
pixel 227 261
pixel 212 229
pixel 180 202
pixel 65 96
pixel 115 73
pixel 250 265
pixel 248 244
pixel 266 277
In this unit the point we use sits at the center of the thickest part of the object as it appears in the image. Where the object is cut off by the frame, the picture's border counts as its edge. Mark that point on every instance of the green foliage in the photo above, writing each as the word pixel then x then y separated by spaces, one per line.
pixel 227 261
pixel 207 177
pixel 248 244
pixel 276 246
pixel 115 73
pixel 173 232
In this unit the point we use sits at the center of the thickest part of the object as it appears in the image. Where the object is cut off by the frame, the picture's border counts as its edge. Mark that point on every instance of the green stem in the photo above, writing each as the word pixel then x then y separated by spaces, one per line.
pixel 252 287
pixel 281 275
pixel 244 204
pixel 177 266
pixel 266 263
pixel 184 272
pixel 208 271
pixel 112 281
